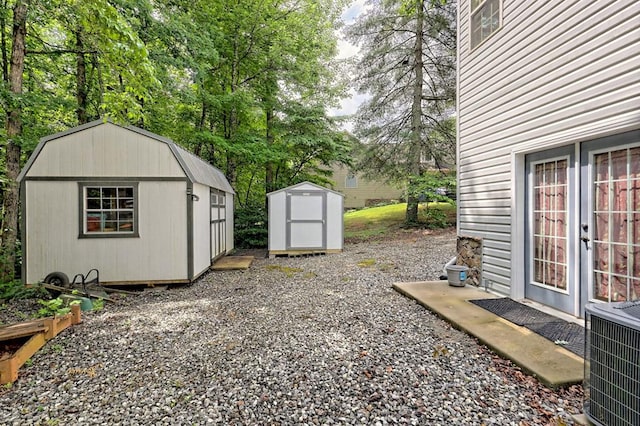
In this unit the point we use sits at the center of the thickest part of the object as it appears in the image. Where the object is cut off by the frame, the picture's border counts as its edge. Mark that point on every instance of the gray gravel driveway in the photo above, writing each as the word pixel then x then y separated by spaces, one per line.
pixel 308 340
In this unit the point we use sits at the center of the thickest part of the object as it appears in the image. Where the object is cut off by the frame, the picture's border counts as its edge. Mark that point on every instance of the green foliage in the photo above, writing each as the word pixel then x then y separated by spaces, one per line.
pixel 17 290
pixel 246 85
pixel 55 307
pixel 435 218
pixel 98 304
pixel 428 186
pixel 251 227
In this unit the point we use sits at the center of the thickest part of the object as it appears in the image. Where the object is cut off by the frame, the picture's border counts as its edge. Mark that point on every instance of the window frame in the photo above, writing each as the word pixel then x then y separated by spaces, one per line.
pixel 351 177
pixel 84 211
pixel 478 9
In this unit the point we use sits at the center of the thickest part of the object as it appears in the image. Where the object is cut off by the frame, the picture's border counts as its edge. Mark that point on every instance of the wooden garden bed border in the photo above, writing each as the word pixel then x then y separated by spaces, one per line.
pixel 41 332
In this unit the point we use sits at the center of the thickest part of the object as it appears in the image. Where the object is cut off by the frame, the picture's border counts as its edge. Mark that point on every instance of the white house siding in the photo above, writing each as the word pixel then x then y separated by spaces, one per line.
pixel 555 73
pixel 154 256
pixel 82 153
pixel 201 228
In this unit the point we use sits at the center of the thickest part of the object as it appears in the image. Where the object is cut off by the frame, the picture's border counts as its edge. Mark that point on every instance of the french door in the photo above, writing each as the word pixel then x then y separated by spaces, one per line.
pixel 583 223
pixel 610 219
pixel 550 242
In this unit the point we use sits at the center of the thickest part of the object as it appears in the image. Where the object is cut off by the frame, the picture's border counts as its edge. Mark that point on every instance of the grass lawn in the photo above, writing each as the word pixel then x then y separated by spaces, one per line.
pixel 377 221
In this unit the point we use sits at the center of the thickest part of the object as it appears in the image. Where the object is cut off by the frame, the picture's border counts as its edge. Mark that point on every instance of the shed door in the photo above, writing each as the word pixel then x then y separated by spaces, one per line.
pixel 218 224
pixel 306 220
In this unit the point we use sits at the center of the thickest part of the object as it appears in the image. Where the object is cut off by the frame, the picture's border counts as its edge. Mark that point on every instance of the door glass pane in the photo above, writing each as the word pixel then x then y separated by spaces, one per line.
pixel 616 225
pixel 550 224
pixel 634 162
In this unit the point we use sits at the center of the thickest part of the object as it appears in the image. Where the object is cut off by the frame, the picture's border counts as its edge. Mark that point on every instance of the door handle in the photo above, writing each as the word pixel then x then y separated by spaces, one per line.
pixel 585 240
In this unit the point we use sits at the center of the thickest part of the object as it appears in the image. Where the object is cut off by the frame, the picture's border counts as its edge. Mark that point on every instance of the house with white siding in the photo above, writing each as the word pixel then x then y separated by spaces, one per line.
pixel 122 200
pixel 549 147
pixel 361 191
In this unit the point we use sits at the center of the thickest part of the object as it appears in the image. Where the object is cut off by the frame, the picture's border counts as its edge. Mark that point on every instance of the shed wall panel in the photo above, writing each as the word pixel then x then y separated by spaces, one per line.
pixel 278 221
pixel 555 73
pixel 106 150
pixel 201 228
pixel 335 221
pixel 229 222
pixel 155 255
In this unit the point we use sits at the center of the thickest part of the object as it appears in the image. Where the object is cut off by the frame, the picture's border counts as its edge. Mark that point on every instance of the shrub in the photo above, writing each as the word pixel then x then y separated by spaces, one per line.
pixel 251 227
pixel 16 290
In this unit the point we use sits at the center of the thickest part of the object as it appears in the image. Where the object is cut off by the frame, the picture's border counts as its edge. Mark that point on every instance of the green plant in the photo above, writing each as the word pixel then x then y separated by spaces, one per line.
pixel 367 263
pixel 435 218
pixel 16 290
pixel 251 227
pixel 287 270
pixel 53 307
pixel 98 304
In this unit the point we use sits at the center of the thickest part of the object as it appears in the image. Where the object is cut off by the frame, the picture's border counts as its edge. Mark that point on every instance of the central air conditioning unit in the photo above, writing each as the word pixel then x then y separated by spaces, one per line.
pixel 612 364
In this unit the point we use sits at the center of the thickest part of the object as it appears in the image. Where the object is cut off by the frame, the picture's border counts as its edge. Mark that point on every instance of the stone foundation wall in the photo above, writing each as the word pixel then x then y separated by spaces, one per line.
pixel 469 251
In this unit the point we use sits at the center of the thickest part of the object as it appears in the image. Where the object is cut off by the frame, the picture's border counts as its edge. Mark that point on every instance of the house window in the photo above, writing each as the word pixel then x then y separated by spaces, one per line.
pixel 109 210
pixel 550 223
pixel 351 181
pixel 485 20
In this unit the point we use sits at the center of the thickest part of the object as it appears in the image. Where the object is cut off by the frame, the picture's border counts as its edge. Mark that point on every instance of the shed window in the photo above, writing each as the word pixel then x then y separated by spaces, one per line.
pixel 485 20
pixel 109 210
pixel 351 181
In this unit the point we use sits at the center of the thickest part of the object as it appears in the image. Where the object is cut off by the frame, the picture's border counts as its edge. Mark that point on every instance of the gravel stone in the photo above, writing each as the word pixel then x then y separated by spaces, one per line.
pixel 320 340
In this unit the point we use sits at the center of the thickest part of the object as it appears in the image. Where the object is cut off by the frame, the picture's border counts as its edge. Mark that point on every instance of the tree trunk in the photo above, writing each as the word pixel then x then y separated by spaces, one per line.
pixel 81 80
pixel 3 43
pixel 416 118
pixel 14 131
pixel 269 172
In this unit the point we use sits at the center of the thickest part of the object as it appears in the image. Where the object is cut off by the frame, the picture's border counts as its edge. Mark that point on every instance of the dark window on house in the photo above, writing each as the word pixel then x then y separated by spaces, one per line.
pixel 485 20
pixel 109 210
pixel 351 181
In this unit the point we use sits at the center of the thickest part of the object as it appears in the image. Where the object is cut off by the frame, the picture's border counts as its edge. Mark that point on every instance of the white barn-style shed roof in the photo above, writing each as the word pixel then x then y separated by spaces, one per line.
pixel 195 168
pixel 178 208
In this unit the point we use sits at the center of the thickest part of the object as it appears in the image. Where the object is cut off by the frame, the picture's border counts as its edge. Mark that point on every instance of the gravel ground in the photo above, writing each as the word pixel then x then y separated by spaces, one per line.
pixel 307 340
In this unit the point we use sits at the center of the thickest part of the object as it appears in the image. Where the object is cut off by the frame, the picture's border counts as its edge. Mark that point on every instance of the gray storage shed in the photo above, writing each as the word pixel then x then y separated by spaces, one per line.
pixel 130 203
pixel 305 218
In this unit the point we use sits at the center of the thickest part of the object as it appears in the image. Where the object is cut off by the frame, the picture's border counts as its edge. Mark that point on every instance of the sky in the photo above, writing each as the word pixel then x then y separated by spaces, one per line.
pixel 346 50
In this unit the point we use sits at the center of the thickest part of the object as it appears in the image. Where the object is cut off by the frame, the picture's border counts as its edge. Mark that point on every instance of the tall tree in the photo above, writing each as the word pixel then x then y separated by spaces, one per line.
pixel 9 230
pixel 408 69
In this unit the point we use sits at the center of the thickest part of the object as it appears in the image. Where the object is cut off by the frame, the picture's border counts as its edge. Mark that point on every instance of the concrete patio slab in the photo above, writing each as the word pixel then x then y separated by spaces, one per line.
pixel 551 364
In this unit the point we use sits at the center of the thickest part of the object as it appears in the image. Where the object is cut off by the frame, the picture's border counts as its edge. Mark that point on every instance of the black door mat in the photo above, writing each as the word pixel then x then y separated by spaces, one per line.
pixel 567 334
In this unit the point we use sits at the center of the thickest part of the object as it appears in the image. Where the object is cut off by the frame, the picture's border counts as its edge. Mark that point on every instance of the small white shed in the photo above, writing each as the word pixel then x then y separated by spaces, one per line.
pixel 305 218
pixel 130 203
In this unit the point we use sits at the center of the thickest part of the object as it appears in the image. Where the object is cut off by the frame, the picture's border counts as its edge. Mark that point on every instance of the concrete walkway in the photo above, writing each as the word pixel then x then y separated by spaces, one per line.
pixel 551 364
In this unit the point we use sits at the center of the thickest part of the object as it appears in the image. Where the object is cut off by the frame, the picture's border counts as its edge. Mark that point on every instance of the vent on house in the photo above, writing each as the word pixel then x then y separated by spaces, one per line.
pixel 612 364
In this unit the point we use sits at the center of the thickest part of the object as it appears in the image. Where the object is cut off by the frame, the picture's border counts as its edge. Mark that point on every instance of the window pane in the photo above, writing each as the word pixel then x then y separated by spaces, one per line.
pixel 93 203
pixel 108 192
pixel 619 164
pixel 601 282
pixel 602 167
pixel 634 162
pixel 108 203
pixel 109 209
pixel 550 244
pixel 125 192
